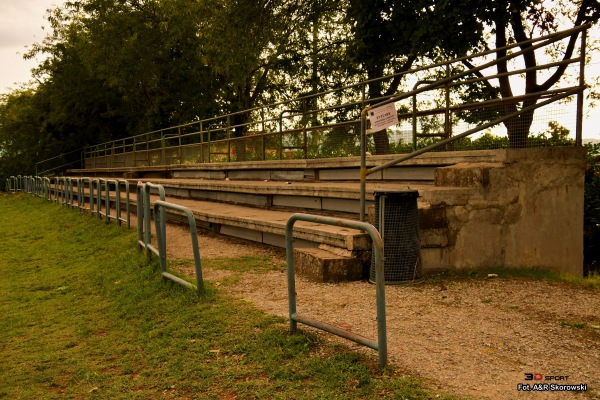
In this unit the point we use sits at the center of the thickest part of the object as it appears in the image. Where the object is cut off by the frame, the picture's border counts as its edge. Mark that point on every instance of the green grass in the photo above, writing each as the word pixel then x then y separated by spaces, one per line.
pixel 84 316
pixel 578 325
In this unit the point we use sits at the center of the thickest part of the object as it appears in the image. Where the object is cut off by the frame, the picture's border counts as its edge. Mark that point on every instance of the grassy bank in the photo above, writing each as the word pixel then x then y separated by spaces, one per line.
pixel 84 316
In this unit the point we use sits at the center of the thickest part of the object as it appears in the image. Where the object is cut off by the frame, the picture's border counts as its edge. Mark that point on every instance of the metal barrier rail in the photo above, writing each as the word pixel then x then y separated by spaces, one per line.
pixel 81 191
pixel 364 172
pixel 117 183
pixel 46 183
pixel 144 224
pixel 94 183
pixel 161 238
pixel 65 190
pixel 59 190
pixel 381 344
pixel 269 131
pixel 70 199
pixel 26 184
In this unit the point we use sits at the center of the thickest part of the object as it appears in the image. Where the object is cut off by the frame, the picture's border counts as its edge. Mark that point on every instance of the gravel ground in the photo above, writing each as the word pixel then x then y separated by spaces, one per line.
pixel 475 338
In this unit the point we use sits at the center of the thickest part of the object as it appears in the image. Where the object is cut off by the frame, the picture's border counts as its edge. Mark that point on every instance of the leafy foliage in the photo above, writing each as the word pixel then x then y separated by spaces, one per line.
pixel 116 68
pixel 591 216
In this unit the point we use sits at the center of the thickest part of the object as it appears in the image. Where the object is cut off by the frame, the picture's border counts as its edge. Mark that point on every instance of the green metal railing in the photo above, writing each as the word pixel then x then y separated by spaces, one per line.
pixel 144 224
pixel 106 185
pixel 66 189
pixel 81 192
pixel 329 124
pixel 161 239
pixel 381 344
pixel 550 96
pixel 144 232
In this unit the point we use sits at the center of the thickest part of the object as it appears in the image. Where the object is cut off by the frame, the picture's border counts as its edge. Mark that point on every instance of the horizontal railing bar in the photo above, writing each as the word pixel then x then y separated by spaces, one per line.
pixel 336 331
pixel 571 92
pixel 177 279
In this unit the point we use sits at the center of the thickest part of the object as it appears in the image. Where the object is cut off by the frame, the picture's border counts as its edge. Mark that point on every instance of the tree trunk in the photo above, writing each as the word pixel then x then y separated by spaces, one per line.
pixel 518 128
pixel 240 132
pixel 381 139
pixel 382 142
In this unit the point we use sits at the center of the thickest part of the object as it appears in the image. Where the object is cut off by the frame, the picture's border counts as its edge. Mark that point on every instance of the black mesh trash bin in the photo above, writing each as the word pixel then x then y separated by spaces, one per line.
pixel 397 220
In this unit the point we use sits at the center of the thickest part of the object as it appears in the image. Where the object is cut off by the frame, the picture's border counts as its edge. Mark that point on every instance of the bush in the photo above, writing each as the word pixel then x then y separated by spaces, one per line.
pixel 591 213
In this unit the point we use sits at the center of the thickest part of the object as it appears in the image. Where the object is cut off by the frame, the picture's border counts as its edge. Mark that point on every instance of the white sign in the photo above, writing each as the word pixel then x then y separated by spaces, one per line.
pixel 383 117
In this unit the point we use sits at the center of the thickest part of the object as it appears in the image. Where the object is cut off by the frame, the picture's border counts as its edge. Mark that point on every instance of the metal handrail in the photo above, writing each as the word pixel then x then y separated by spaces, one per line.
pixel 381 344
pixel 144 225
pixel 161 238
pixel 566 92
pixel 222 123
pixel 117 184
pixel 364 172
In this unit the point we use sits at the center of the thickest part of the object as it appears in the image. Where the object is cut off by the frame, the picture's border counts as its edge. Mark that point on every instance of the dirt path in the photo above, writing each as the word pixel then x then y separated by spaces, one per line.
pixel 475 338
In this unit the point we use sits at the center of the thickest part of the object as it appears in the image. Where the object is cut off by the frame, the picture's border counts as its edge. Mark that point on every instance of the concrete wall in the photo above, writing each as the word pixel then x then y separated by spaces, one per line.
pixel 524 210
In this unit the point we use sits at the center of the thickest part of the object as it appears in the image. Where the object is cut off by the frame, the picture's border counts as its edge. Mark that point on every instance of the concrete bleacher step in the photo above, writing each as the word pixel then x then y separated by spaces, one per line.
pixel 341 197
pixel 420 168
pixel 324 253
pixel 253 200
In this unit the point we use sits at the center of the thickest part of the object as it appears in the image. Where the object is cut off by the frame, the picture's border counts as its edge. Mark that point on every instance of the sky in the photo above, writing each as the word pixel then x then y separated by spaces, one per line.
pixel 21 23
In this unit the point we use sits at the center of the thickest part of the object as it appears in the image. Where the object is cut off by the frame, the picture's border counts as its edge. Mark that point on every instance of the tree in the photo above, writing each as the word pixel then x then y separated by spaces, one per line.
pixel 519 21
pixel 21 135
pixel 260 52
pixel 390 35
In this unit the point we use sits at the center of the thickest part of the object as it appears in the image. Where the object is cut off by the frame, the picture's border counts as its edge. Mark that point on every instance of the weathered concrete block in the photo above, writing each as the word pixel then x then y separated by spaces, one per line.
pixel 433 238
pixel 465 175
pixel 322 266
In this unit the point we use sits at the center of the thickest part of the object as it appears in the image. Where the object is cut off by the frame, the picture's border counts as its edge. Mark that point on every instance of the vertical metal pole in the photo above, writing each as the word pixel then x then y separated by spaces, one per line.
pixel 107 201
pixel 147 222
pixel 163 149
pixel 127 204
pixel 363 162
pixel 161 236
pixel 135 152
pixel 447 122
pixel 118 202
pixel 580 96
pixel 262 134
pixel 304 133
pixel 289 234
pixel 99 198
pixel 414 121
pixel 378 248
pixel 196 252
pixel 179 148
pixel 229 140
pixel 201 144
pixel 140 213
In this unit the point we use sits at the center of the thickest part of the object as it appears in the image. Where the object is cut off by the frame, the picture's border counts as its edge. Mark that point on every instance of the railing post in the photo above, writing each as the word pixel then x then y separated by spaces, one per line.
pixel 228 133
pixel 161 238
pixel 163 148
pixel 202 144
pixel 447 115
pixel 580 96
pixel 179 147
pixel 146 203
pixel 262 134
pixel 140 214
pixel 381 344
